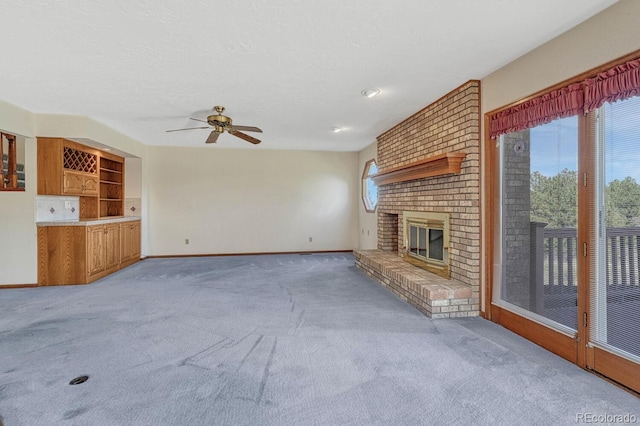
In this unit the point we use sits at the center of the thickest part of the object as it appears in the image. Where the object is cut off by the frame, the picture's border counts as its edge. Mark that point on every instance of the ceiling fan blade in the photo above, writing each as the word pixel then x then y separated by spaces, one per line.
pixel 245 137
pixel 246 128
pixel 213 137
pixel 189 128
pixel 197 119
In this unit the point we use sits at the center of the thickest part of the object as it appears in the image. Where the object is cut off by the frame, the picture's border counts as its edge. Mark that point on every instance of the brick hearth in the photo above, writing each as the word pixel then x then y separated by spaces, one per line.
pixel 434 296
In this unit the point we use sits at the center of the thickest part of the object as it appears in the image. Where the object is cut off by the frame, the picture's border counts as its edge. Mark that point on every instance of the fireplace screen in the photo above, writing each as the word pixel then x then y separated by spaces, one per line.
pixel 431 247
pixel 426 242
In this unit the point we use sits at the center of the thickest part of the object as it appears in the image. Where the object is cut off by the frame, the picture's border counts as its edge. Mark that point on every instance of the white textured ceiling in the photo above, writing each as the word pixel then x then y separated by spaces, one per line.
pixel 293 68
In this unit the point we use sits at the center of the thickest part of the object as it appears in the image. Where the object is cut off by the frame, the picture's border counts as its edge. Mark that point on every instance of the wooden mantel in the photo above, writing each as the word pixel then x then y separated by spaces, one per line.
pixel 437 165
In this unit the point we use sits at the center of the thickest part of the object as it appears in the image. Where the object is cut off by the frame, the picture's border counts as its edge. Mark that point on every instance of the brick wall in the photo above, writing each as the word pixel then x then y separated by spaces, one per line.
pixel 387 230
pixel 451 124
pixel 517 218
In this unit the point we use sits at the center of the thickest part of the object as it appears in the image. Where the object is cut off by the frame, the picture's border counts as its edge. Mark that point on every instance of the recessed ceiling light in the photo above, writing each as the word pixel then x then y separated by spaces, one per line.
pixel 337 129
pixel 370 93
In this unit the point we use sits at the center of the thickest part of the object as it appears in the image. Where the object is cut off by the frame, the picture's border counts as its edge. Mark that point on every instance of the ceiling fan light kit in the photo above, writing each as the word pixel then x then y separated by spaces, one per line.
pixel 220 124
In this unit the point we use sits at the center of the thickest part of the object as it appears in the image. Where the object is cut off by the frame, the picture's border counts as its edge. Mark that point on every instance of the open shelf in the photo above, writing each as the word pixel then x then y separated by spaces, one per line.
pixel 437 165
pixel 106 169
pixel 111 186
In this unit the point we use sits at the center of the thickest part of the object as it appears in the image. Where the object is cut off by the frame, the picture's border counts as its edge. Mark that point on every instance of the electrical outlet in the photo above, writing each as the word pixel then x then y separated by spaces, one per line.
pixel 310 239
pixel 186 241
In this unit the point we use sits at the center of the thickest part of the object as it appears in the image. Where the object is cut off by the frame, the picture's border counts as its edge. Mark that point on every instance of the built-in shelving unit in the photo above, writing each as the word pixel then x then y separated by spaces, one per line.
pixel 69 168
pixel 103 241
pixel 111 187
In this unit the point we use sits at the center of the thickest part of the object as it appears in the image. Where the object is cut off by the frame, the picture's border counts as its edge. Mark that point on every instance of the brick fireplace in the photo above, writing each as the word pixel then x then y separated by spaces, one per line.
pixel 430 163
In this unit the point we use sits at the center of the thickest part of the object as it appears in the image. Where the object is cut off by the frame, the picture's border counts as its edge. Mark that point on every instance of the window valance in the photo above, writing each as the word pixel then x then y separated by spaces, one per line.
pixel 559 103
pixel 618 83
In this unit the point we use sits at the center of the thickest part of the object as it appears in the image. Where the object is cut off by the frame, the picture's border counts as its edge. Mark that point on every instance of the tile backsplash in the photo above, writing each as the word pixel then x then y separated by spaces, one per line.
pixel 53 208
pixel 132 207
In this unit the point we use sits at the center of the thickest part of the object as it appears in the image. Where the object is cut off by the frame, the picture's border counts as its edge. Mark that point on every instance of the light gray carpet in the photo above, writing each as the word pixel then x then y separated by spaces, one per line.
pixel 271 340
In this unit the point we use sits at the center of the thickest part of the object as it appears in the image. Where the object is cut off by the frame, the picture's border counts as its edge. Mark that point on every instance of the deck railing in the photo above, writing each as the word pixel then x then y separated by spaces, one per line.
pixel 554 264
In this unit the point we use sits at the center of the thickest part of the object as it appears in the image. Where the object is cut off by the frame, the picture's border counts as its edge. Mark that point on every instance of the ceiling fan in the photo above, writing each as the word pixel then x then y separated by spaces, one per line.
pixel 220 124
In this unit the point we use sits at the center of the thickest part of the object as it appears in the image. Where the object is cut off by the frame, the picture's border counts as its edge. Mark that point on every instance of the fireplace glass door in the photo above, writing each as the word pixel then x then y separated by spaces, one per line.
pixel 426 240
pixel 431 248
pixel 436 244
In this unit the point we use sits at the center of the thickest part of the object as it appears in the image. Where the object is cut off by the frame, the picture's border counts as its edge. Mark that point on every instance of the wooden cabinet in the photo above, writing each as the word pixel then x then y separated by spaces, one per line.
pixel 57 156
pixel 129 242
pixel 82 252
pixel 111 246
pixel 69 168
pixel 78 183
pixel 103 248
pixel 95 250
pixel 78 254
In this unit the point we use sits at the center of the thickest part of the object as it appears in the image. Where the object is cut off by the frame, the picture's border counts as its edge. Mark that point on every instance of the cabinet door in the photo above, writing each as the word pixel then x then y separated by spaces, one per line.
pixel 112 245
pixel 130 242
pixel 135 241
pixel 73 183
pixel 91 185
pixel 95 249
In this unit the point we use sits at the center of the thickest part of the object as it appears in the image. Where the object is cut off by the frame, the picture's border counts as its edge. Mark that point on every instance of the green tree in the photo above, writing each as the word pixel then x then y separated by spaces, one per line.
pixel 554 199
pixel 622 202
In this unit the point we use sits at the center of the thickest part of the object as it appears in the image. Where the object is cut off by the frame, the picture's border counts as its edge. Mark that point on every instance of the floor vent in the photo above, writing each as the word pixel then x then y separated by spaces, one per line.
pixel 79 380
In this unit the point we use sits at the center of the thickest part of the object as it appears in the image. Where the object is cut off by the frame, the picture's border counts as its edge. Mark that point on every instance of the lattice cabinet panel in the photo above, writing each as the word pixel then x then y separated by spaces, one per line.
pixel 81 161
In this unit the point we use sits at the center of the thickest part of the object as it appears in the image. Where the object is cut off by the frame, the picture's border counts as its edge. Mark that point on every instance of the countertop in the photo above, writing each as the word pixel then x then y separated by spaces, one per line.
pixel 89 222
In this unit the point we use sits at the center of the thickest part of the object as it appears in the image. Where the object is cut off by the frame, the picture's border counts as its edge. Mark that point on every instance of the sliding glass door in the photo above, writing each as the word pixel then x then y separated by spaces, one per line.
pixel 563 203
pixel 539 223
pixel 615 266
pixel 570 237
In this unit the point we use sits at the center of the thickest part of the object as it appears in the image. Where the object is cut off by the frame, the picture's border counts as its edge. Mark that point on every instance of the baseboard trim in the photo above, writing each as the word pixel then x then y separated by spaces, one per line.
pixel 18 286
pixel 615 383
pixel 552 340
pixel 162 256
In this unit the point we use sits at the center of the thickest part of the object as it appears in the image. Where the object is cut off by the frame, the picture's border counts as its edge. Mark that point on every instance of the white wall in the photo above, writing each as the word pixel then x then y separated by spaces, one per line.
pixel 250 201
pixel 18 247
pixel 608 35
pixel 18 262
pixel 81 127
pixel 133 178
pixel 368 221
